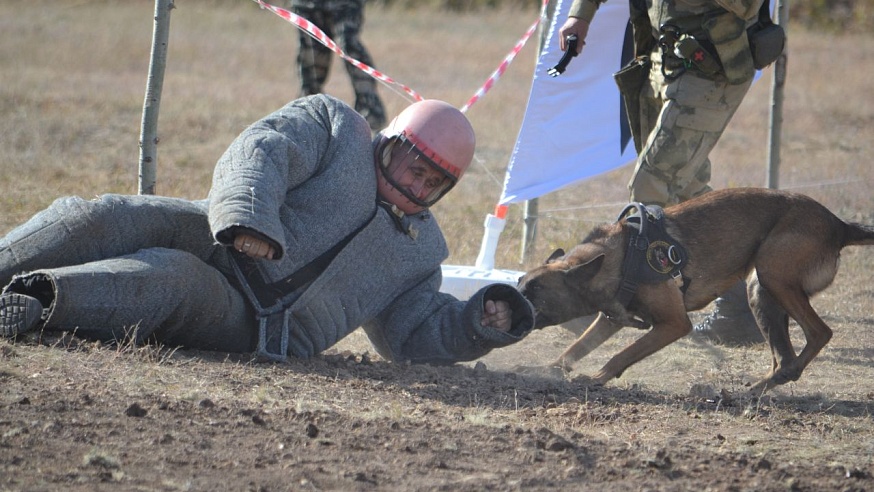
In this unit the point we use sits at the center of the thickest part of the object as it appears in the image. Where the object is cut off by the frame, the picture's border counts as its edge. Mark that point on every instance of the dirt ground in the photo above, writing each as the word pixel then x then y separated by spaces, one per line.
pixel 78 416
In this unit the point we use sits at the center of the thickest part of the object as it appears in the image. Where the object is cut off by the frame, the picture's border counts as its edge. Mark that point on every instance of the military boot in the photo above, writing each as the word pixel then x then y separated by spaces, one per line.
pixel 731 322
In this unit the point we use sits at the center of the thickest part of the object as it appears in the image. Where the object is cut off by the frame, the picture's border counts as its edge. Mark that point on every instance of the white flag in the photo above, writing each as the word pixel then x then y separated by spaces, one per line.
pixel 571 128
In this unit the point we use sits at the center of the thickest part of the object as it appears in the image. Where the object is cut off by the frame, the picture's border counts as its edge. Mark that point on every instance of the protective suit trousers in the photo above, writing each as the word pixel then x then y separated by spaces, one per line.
pixel 683 117
pixel 131 268
pixel 341 20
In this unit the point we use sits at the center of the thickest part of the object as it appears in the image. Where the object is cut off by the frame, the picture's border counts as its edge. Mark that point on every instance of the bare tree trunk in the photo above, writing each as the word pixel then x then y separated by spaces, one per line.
pixel 149 129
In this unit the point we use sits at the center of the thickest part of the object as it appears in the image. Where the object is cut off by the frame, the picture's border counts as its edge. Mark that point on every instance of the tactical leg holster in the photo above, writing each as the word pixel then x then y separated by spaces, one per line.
pixel 630 80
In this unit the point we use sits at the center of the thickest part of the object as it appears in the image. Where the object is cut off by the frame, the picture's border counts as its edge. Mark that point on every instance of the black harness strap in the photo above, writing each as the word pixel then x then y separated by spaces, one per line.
pixel 268 294
pixel 652 256
pixel 633 255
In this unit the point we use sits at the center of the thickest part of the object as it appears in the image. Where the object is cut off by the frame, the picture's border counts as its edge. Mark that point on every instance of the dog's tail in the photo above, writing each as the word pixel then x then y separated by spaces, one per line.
pixel 858 234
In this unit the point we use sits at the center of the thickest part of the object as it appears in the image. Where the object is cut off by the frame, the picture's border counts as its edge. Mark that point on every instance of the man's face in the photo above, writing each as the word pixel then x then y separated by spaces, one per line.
pixel 414 175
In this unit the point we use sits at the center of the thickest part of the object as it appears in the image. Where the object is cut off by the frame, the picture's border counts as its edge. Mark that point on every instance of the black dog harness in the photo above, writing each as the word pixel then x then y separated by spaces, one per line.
pixel 653 256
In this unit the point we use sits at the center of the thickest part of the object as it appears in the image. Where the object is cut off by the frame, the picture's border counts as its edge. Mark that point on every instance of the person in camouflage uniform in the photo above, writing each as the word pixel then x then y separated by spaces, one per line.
pixel 695 68
pixel 341 20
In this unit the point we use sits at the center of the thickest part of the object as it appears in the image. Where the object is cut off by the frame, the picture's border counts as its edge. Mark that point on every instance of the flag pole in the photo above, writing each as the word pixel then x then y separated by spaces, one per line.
pixel 777 84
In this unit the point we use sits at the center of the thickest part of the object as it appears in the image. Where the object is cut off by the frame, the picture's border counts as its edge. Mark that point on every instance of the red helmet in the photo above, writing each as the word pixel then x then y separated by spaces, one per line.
pixel 422 154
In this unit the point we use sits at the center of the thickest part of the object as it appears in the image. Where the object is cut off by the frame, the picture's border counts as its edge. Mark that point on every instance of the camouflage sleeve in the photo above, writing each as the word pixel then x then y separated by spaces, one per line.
pixel 745 9
pixel 585 9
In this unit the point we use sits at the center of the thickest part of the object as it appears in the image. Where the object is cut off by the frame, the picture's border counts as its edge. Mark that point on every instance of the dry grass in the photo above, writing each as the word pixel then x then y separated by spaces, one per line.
pixel 72 94
pixel 72 98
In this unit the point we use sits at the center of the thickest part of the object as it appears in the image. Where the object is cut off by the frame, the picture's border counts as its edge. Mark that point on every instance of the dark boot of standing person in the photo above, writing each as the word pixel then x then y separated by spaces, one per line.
pixel 731 322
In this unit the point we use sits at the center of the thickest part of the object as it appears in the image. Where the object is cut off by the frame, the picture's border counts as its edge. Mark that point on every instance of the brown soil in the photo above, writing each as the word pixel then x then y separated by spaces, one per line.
pixel 75 415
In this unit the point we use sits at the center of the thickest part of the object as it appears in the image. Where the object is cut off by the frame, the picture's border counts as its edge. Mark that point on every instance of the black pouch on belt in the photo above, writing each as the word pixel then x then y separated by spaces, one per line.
pixel 766 39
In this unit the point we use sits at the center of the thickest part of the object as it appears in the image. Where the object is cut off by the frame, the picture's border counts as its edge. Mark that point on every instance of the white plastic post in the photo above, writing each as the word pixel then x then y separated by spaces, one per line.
pixel 493 225
pixel 464 281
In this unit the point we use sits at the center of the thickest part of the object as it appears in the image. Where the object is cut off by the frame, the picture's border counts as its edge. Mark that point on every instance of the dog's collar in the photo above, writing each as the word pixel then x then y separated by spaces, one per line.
pixel 652 256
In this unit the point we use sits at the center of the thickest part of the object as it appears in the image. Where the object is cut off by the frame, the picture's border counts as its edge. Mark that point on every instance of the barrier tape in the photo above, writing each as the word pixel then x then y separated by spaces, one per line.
pixel 320 36
pixel 493 78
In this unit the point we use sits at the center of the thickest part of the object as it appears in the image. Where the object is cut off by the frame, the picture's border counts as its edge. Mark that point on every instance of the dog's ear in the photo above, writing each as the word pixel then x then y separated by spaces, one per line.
pixel 555 255
pixel 587 270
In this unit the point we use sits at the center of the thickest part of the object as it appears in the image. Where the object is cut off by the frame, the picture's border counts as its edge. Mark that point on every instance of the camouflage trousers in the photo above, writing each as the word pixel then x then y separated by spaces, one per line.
pixel 683 118
pixel 341 20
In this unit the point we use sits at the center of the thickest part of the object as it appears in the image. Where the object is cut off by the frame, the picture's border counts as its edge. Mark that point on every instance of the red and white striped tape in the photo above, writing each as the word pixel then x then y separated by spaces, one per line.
pixel 323 38
pixel 487 86
pixel 320 36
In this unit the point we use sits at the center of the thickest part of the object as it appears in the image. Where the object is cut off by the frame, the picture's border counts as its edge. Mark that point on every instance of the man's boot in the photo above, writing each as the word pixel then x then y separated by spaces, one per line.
pixel 19 313
pixel 731 322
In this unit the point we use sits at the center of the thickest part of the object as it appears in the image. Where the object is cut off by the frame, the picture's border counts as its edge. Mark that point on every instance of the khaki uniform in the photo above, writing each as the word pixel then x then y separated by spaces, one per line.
pixel 341 20
pixel 684 108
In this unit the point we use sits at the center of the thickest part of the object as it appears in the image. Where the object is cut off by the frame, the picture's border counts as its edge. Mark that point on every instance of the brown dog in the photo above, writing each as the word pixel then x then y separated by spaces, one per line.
pixel 787 246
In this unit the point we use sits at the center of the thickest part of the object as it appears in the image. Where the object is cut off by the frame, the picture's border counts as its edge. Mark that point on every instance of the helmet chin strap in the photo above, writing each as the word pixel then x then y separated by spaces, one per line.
pixel 402 221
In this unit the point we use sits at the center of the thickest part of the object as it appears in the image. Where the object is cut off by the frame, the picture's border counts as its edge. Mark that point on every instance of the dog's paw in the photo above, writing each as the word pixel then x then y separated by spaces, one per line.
pixel 762 387
pixel 587 381
pixel 551 371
